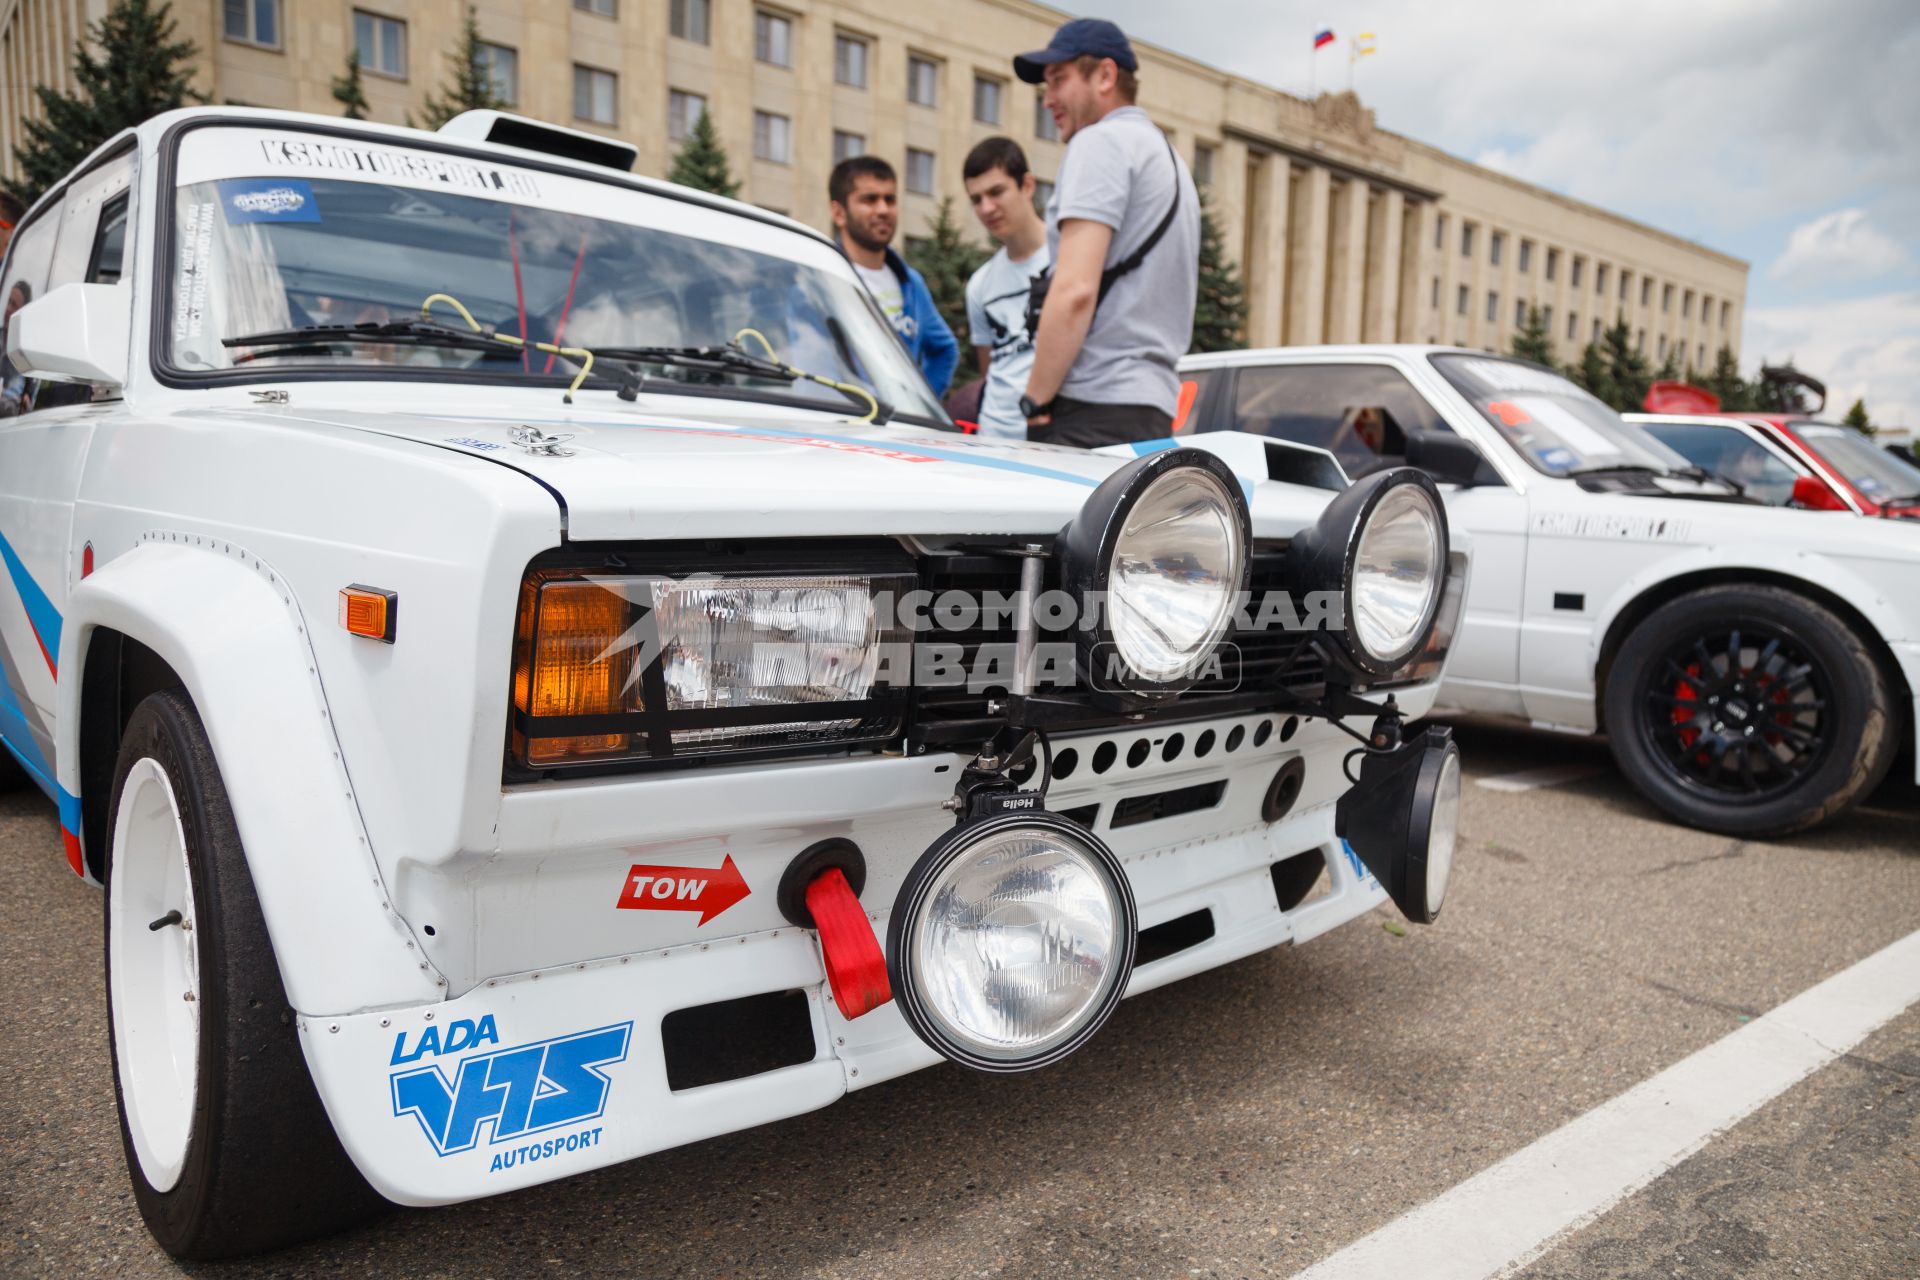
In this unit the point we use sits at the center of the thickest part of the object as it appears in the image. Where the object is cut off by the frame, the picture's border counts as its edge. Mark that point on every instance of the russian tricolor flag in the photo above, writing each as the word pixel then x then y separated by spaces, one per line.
pixel 1323 37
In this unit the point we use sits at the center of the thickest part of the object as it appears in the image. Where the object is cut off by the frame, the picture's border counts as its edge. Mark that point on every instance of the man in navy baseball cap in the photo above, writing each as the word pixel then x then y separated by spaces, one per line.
pixel 1080 38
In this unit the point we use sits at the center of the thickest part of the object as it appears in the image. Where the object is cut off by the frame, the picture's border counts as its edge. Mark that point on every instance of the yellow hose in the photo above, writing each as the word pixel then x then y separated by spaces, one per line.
pixel 580 354
pixel 850 388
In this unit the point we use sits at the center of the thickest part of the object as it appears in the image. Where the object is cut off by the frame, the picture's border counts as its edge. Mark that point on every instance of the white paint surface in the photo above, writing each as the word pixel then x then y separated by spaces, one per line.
pixel 1504 1217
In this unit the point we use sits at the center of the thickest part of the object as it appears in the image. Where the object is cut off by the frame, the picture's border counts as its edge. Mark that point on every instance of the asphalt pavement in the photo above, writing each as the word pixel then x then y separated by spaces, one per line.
pixel 1251 1121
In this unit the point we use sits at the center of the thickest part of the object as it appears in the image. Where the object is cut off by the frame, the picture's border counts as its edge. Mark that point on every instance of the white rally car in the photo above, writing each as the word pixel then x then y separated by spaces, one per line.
pixel 541 680
pixel 1755 669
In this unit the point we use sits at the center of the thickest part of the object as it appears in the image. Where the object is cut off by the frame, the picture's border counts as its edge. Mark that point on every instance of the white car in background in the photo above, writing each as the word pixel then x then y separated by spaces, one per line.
pixel 1755 669
pixel 512 637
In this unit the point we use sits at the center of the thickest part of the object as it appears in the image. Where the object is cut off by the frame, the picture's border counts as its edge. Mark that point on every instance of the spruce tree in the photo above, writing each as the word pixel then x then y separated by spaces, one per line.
pixel 349 91
pixel 1725 382
pixel 701 162
pixel 1592 375
pixel 1220 312
pixel 1857 418
pixel 140 71
pixel 947 259
pixel 1532 341
pixel 1626 369
pixel 471 88
pixel 1669 370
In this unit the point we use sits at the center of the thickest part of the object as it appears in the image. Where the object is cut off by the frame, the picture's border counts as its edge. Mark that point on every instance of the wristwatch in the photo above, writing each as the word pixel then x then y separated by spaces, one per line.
pixel 1028 409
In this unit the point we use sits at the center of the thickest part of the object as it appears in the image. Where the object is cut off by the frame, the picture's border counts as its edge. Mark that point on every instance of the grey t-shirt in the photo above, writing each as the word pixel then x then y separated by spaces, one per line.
pixel 1120 172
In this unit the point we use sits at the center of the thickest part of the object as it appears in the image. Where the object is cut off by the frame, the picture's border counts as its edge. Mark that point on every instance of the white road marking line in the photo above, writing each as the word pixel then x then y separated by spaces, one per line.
pixel 1504 1217
pixel 1551 776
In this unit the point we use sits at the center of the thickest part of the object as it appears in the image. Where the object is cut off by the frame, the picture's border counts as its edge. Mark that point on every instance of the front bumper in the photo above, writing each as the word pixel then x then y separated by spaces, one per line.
pixel 551 1070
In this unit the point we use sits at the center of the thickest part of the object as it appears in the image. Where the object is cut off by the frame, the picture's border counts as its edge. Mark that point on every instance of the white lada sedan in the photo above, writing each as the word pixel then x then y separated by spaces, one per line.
pixel 1755 669
pixel 541 681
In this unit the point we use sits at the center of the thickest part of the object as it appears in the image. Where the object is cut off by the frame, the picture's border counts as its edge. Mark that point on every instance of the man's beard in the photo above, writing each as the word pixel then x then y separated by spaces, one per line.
pixel 864 238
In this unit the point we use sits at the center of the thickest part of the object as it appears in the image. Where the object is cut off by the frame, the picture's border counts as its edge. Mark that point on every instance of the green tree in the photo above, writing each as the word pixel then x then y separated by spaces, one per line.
pixel 349 91
pixel 1626 368
pixel 1592 374
pixel 1669 370
pixel 139 71
pixel 701 162
pixel 947 259
pixel 471 88
pixel 1532 341
pixel 1220 312
pixel 1724 381
pixel 1857 418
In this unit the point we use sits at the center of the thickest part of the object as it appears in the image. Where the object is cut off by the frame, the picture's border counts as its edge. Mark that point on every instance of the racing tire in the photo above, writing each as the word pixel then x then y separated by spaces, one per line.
pixel 1749 710
pixel 227 1144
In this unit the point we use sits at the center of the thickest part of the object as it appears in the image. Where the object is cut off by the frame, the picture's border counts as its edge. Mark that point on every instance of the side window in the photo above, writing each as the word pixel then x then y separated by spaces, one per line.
pixel 1360 413
pixel 109 243
pixel 85 209
pixel 24 279
pixel 1208 408
pixel 1734 456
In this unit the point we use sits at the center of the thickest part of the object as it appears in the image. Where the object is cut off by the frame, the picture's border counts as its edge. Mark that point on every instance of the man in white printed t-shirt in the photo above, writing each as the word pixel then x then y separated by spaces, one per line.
pixel 1000 188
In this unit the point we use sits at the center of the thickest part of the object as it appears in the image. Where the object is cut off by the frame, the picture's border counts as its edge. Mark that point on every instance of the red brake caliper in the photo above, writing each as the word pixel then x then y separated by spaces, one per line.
pixel 1683 692
pixel 856 967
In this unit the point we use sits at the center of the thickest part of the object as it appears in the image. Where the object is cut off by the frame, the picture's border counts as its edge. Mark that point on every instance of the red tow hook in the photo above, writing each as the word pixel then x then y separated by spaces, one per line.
pixel 856 966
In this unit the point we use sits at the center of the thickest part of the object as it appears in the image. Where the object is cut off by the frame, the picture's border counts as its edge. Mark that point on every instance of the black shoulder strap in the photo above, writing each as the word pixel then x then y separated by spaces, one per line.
pixel 1133 260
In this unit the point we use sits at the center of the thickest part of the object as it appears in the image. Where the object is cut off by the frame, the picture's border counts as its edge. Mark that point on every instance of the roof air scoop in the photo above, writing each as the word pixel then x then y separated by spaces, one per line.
pixel 537 135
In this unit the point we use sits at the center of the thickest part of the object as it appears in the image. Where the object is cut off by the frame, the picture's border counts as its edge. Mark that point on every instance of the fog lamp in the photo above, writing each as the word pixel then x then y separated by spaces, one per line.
pixel 1011 941
pixel 1403 817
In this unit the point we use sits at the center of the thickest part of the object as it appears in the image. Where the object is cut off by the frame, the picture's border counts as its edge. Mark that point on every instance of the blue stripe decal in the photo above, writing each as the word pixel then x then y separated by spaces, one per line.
pixel 44 618
pixel 1142 448
pixel 897 446
pixel 69 809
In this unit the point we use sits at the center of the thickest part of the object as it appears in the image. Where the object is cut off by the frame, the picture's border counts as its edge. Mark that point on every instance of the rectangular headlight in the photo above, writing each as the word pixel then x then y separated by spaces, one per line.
pixel 630 667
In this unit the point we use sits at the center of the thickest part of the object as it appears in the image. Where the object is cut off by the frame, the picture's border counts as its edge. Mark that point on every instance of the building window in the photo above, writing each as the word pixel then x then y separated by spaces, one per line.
pixel 1519 313
pixel 683 112
pixel 772 38
pixel 1493 308
pixel 1686 305
pixel 850 61
pixel 501 66
pixel 1526 256
pixel 848 145
pixel 1466 239
pixel 1435 304
pixel 1646 290
pixel 1043 126
pixel 1460 304
pixel 1725 308
pixel 381 43
pixel 1600 278
pixel 1596 328
pixel 1703 356
pixel 1578 263
pixel 1496 241
pixel 253 22
pixel 595 94
pixel 1553 263
pixel 1440 232
pixel 1573 324
pixel 1660 348
pixel 1203 164
pixel 1640 342
pixel 923 80
pixel 605 8
pixel 1666 297
pixel 1626 278
pixel 1706 308
pixel 919 171
pixel 772 138
pixel 688 19
pixel 1042 195
pixel 986 99
pixel 1546 319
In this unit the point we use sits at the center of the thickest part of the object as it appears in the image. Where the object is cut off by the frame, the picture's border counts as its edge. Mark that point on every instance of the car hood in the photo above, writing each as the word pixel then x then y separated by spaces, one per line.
pixel 641 475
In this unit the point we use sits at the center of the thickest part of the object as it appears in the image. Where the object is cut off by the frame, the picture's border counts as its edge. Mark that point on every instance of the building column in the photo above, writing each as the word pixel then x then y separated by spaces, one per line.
pixel 1347 261
pixel 1307 257
pixel 1386 211
pixel 1416 232
pixel 1266 239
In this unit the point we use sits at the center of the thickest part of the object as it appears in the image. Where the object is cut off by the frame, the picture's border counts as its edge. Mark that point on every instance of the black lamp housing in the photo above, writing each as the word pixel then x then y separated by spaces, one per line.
pixel 949 847
pixel 1084 551
pixel 1321 558
pixel 1387 817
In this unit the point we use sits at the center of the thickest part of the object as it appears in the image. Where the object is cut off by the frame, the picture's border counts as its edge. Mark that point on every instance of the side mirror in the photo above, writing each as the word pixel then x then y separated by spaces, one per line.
pixel 1815 496
pixel 76 333
pixel 1448 458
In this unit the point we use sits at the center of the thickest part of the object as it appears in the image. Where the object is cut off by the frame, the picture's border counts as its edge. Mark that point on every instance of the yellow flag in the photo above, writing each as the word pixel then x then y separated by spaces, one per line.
pixel 1363 44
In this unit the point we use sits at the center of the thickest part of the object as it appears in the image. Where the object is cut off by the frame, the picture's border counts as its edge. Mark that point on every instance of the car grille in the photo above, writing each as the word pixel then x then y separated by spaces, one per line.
pixel 950 715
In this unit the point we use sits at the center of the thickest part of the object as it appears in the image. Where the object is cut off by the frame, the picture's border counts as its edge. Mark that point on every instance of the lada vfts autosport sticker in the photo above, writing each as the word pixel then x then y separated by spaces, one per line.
pixel 490 1101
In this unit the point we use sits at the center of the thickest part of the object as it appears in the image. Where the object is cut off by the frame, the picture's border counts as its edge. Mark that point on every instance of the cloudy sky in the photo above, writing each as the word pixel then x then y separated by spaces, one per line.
pixel 1768 129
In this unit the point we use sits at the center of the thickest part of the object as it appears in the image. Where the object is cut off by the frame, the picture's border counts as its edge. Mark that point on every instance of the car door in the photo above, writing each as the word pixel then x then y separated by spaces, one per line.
pixel 1361 411
pixel 43 445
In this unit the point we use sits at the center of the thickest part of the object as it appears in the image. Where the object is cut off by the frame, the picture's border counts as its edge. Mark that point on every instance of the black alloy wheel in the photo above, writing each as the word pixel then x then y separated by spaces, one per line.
pixel 1750 710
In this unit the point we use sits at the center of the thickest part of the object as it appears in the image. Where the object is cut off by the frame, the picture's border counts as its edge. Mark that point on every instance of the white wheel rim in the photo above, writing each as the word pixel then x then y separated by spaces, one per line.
pixel 155 973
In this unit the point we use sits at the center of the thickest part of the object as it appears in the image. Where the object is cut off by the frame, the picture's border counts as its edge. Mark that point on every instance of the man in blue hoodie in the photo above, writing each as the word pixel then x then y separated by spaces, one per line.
pixel 866 213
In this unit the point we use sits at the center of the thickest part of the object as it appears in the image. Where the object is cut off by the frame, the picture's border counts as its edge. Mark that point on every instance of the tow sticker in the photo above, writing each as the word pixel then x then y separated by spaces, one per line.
pixel 700 889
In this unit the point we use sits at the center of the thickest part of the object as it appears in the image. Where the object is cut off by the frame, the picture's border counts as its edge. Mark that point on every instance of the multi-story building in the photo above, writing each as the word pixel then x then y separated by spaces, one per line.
pixel 1344 232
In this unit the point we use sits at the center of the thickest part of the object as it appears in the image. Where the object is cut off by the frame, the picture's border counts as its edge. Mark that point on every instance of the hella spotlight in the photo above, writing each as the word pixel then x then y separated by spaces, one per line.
pixel 1011 941
pixel 1402 819
pixel 1382 544
pixel 1158 558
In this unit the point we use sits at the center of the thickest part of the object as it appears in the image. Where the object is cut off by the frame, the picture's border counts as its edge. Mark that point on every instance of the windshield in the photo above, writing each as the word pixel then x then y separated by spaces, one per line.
pixel 1555 425
pixel 275 230
pixel 1731 454
pixel 1873 470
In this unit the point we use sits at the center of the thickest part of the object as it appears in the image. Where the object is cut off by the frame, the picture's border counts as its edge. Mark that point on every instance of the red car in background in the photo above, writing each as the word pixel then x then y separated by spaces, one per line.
pixel 1871 479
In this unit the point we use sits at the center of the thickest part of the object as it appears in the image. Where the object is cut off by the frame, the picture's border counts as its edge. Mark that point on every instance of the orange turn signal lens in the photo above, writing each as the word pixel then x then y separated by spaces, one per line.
pixel 369 612
pixel 571 659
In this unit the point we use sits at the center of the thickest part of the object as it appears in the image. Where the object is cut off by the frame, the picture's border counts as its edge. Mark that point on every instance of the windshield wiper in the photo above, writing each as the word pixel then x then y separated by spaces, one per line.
pixel 731 359
pixel 1641 469
pixel 406 333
